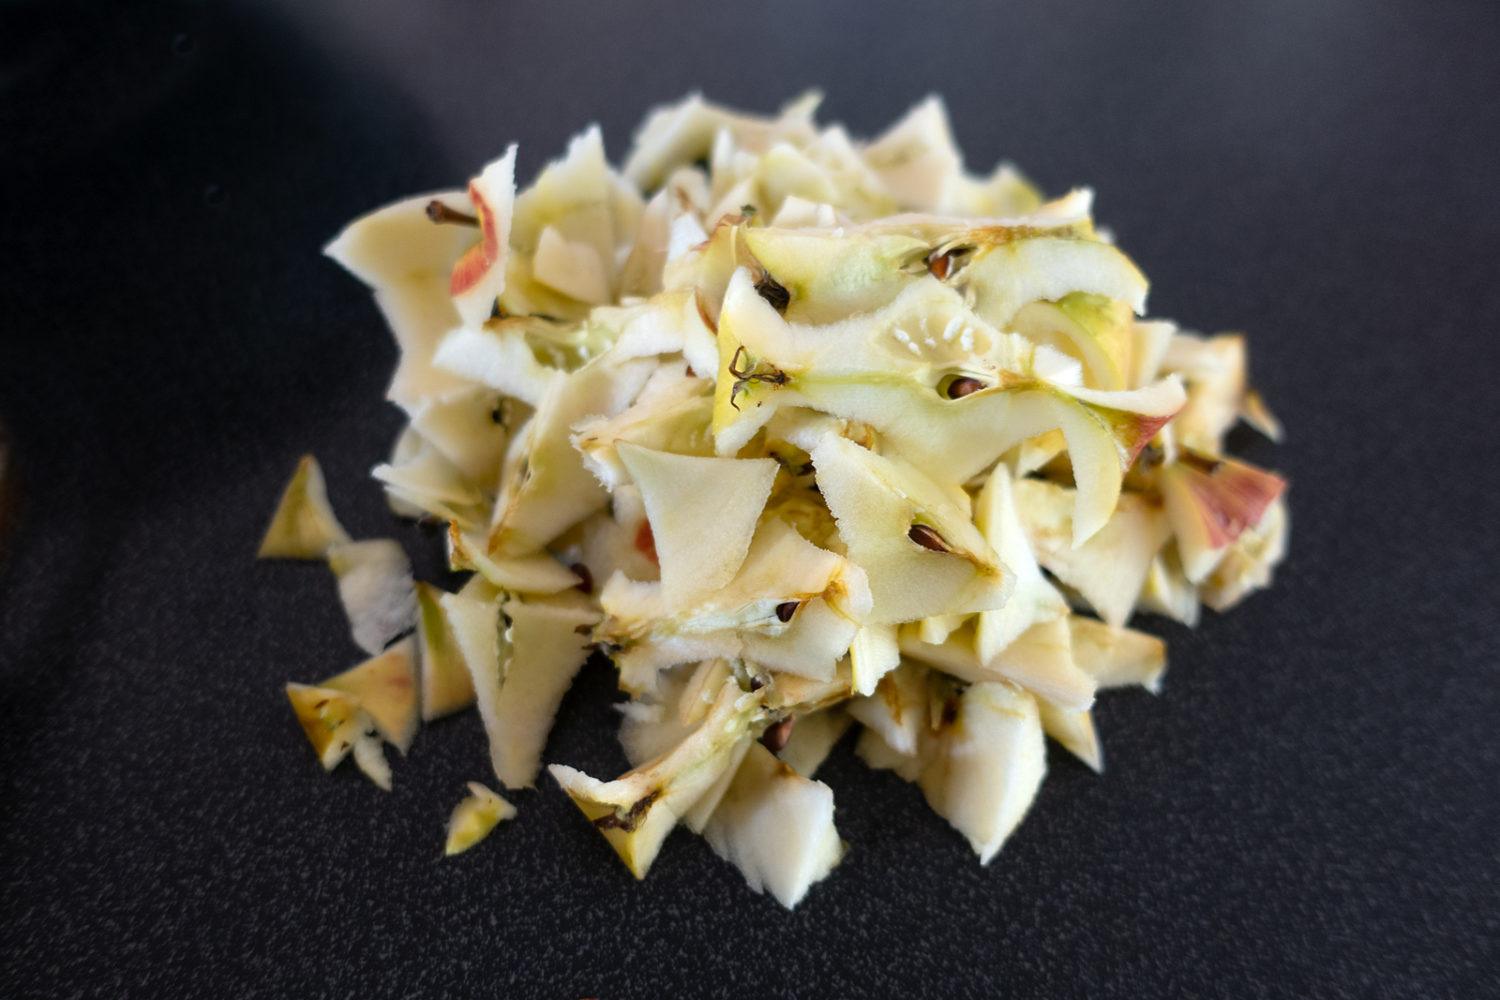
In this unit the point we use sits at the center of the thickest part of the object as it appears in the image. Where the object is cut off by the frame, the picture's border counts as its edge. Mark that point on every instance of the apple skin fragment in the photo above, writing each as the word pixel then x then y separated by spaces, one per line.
pixel 799 431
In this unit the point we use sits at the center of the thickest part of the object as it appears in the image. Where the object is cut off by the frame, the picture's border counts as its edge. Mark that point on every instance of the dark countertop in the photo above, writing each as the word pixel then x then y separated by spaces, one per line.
pixel 1309 808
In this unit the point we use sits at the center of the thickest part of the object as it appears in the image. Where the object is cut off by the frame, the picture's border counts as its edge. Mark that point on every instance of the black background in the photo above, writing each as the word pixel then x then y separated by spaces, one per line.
pixel 1309 809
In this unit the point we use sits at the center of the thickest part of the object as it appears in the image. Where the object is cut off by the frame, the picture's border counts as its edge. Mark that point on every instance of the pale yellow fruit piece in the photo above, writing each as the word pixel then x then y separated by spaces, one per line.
pixel 1033 600
pixel 897 709
pixel 1110 568
pixel 376 589
pixel 474 817
pixel 304 525
pixel 984 767
pixel 331 719
pixel 1115 656
pixel 370 758
pixel 776 827
pixel 479 276
pixel 878 503
pixel 529 574
pixel 546 649
pixel 636 811
pixel 1098 331
pixel 702 512
pixel 1074 729
pixel 386 687
pixel 812 738
pixel 917 159
pixel 446 684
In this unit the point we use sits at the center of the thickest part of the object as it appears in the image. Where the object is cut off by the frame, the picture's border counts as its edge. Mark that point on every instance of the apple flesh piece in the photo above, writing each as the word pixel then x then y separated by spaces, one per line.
pixel 1167 590
pixel 917 160
pixel 546 650
pixel 1110 568
pixel 1096 330
pixel 533 574
pixel 546 487
pixel 304 526
pixel 474 817
pixel 812 738
pixel 776 827
pixel 702 513
pixel 1251 558
pixel 1033 600
pixel 376 589
pixel 1210 502
pixel 497 357
pixel 898 708
pixel 1115 657
pixel 1213 369
pixel 446 684
pixel 370 759
pixel 674 420
pixel 1074 731
pixel 636 811
pixel 982 767
pixel 882 506
pixel 332 720
pixel 385 686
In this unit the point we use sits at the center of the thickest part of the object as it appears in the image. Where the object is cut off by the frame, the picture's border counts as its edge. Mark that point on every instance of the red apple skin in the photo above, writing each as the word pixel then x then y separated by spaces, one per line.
pixel 1230 495
pixel 479 258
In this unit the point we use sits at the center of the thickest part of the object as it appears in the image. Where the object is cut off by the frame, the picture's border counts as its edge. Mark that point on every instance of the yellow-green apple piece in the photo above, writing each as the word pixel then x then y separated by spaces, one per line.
pixel 937 628
pixel 702 513
pixel 1210 502
pixel 304 525
pixel 984 766
pixel 529 574
pixel 485 647
pixel 548 489
pixel 1004 194
pixel 776 827
pixel 1034 599
pixel 1095 329
pixel 1007 273
pixel 447 686
pixel 474 817
pixel 385 686
pixel 921 553
pixel 897 710
pixel 546 649
pixel 1251 558
pixel 1074 730
pixel 812 738
pixel 375 587
pixel 332 720
pixel 1110 568
pixel 636 811
pixel 478 277
pixel 369 757
pixel 1255 412
pixel 1117 657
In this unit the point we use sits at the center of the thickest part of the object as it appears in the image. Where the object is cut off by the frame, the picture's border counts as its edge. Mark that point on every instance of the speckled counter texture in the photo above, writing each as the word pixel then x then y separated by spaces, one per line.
pixel 1308 810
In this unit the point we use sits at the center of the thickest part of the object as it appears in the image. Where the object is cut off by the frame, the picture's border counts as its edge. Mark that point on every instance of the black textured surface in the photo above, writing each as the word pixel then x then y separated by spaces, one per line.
pixel 1310 809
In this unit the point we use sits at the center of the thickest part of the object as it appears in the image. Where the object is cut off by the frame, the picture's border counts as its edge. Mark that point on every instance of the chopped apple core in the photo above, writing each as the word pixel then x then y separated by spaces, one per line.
pixel 800 432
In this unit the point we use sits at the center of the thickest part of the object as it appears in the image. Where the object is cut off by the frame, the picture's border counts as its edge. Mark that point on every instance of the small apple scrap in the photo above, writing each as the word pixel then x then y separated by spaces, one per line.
pixel 803 434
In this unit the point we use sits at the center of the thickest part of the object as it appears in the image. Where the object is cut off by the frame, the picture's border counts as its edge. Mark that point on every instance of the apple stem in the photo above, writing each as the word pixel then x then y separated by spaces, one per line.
pixel 440 213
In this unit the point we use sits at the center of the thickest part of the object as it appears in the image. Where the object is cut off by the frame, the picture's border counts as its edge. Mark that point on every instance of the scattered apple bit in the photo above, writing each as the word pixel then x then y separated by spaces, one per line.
pixel 801 433
pixel 474 818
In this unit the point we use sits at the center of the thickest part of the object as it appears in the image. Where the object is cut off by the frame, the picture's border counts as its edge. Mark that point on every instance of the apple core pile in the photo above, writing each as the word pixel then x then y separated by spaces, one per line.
pixel 803 433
